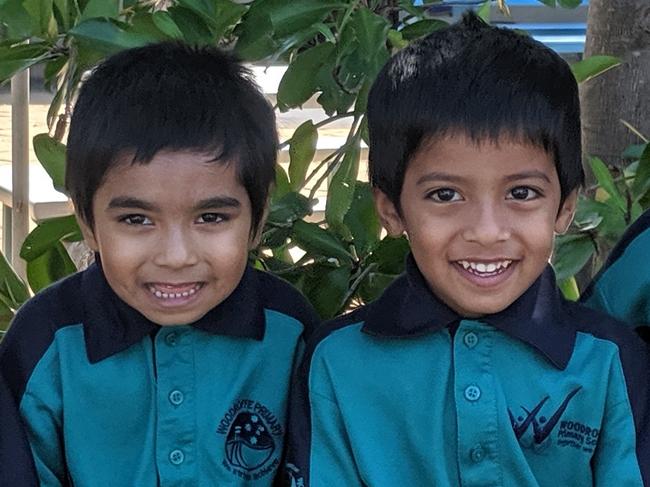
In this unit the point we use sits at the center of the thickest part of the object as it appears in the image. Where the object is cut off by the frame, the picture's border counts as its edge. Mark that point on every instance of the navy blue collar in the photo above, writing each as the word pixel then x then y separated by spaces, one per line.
pixel 111 325
pixel 538 317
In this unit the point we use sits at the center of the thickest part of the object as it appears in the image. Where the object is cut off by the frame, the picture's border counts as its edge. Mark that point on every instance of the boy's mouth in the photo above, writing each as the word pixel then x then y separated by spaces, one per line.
pixel 174 291
pixel 485 269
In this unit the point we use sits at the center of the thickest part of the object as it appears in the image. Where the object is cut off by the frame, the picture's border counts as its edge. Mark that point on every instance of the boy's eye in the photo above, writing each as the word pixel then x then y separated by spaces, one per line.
pixel 523 193
pixel 445 195
pixel 136 220
pixel 211 218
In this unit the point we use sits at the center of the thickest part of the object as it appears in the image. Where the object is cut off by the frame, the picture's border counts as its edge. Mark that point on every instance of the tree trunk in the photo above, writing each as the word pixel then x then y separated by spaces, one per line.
pixel 620 28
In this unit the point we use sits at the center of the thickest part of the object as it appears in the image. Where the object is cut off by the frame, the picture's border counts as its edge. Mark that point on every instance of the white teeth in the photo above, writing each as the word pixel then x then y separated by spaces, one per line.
pixel 167 295
pixel 485 268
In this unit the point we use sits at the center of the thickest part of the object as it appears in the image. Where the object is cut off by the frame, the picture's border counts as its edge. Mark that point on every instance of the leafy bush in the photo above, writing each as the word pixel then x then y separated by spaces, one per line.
pixel 334 49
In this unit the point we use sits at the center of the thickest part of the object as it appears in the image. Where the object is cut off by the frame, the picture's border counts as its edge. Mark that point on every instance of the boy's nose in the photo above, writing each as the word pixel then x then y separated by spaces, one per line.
pixel 486 226
pixel 176 249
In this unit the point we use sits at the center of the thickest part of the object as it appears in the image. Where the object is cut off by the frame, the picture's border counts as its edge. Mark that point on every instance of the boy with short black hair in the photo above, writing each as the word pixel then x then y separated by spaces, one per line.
pixel 168 361
pixel 471 369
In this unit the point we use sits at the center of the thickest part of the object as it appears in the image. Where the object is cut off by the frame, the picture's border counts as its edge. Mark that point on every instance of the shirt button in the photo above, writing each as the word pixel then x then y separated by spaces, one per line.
pixel 176 457
pixel 176 397
pixel 171 339
pixel 470 339
pixel 472 393
pixel 477 454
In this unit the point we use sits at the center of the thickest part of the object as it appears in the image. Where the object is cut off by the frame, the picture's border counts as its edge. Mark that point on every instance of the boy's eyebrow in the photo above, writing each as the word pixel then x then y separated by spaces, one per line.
pixel 442 176
pixel 218 202
pixel 130 202
pixel 439 176
pixel 205 204
pixel 527 175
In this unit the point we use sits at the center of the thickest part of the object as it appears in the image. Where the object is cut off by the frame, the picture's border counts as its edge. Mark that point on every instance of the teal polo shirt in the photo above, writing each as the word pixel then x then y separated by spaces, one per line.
pixel 404 392
pixel 101 396
pixel 622 286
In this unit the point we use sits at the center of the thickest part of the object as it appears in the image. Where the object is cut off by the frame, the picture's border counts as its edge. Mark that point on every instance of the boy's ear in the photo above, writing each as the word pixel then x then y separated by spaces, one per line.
pixel 388 215
pixel 87 232
pixel 566 212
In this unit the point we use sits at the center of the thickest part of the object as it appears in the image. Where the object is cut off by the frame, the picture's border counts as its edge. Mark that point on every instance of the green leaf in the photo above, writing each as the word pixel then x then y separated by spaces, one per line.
pixel 641 183
pixel 422 28
pixel 290 17
pixel 17 58
pixel 299 81
pixel 396 39
pixel 43 23
pixel 11 285
pixel 195 30
pixel 328 289
pixel 164 22
pixel 593 66
pixel 51 154
pixel 65 11
pixel 569 3
pixel 301 152
pixel 48 234
pixel 374 285
pixel 107 37
pixel 571 254
pixel 610 221
pixel 219 15
pixel 255 37
pixel 390 255
pixel 484 11
pixel 49 267
pixel 289 208
pixel 315 240
pixel 333 98
pixel 371 32
pixel 6 315
pixel 341 188
pixel 101 8
pixel 569 288
pixel 362 220
pixel 17 19
pixel 606 182
pixel 282 186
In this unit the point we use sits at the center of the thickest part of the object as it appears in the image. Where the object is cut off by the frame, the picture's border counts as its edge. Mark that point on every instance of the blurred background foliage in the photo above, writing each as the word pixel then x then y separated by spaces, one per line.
pixel 333 49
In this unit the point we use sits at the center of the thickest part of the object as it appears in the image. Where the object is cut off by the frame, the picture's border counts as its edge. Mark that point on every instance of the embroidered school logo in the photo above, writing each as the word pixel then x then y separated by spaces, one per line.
pixel 541 425
pixel 252 439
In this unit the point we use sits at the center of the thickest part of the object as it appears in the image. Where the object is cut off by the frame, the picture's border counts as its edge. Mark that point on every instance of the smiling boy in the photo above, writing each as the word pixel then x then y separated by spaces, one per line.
pixel 168 361
pixel 471 369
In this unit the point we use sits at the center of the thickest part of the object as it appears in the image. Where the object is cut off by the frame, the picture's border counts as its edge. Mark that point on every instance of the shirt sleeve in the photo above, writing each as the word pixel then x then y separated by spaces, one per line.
pixel 318 448
pixel 16 461
pixel 621 450
pixel 31 445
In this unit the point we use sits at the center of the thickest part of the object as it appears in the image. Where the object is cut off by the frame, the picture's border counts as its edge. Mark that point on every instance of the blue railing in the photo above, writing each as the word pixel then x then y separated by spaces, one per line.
pixel 563 37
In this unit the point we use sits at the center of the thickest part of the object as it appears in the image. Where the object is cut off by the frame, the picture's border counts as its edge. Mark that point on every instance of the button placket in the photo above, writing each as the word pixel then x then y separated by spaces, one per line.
pixel 475 401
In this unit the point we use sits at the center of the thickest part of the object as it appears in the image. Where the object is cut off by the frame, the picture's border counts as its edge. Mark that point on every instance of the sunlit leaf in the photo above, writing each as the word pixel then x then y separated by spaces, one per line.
pixel 593 66
pixel 49 233
pixel 49 267
pixel 301 152
pixel 606 182
pixel 51 154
